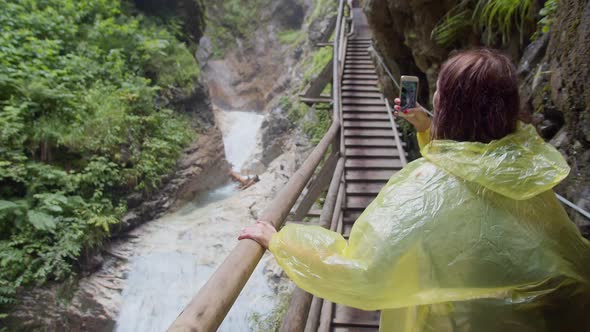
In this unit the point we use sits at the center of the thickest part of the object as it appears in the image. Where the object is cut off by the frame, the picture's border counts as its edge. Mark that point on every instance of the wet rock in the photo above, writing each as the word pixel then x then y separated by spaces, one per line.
pixel 288 14
pixel 272 135
pixel 321 30
pixel 532 55
pixel 253 167
pixel 548 129
pixel 205 50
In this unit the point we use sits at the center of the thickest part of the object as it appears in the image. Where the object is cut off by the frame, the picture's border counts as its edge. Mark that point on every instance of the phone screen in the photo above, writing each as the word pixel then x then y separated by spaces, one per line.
pixel 409 94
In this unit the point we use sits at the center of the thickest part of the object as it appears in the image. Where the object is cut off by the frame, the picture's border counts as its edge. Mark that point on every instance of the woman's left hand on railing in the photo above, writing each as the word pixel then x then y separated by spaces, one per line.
pixel 261 232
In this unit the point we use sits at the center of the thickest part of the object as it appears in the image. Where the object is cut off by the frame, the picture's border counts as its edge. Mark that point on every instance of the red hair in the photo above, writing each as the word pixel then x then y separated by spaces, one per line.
pixel 477 97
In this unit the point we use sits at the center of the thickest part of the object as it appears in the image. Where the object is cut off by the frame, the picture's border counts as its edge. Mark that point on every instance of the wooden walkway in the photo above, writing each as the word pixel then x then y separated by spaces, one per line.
pixel 366 151
pixel 371 154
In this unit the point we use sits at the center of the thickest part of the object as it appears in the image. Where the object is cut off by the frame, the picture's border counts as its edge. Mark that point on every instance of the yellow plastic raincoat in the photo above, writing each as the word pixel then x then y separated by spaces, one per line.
pixel 468 238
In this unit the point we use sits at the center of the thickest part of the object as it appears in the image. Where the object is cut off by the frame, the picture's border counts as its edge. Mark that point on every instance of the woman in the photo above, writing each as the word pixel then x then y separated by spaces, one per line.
pixel 468 238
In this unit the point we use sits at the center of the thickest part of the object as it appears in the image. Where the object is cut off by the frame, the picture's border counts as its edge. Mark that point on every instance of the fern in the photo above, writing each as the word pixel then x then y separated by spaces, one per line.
pixel 495 19
pixel 451 26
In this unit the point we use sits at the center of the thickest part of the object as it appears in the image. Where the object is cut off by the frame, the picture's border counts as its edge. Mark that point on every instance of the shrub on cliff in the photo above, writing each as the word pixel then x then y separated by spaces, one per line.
pixel 80 126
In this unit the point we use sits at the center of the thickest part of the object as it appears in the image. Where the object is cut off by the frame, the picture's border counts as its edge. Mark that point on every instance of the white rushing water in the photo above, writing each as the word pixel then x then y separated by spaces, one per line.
pixel 179 252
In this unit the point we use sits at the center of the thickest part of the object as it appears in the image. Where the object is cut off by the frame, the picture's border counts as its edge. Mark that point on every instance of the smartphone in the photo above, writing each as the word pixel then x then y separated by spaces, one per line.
pixel 409 93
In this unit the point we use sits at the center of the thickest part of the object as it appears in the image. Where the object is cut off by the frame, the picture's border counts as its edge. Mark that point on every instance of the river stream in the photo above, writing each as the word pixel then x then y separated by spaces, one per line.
pixel 177 253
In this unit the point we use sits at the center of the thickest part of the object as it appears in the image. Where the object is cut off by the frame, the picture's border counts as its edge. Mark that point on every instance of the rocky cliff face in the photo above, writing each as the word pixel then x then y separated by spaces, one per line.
pixel 267 61
pixel 555 89
pixel 554 71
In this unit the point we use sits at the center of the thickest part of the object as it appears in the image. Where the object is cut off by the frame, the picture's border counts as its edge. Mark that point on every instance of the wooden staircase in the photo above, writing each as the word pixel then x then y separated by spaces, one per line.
pixel 371 154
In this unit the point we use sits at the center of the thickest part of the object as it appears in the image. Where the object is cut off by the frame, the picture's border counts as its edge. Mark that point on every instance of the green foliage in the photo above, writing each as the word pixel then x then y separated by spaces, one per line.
pixel 452 26
pixel 230 20
pixel 80 127
pixel 546 14
pixel 271 321
pixel 322 8
pixel 318 60
pixel 291 37
pixel 495 19
pixel 313 125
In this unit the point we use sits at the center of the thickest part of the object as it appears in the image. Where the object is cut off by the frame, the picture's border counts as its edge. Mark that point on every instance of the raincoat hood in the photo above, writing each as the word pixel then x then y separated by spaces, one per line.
pixel 519 166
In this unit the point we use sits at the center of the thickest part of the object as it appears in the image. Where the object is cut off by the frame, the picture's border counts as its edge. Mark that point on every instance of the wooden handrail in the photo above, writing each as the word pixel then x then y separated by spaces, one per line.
pixel 208 308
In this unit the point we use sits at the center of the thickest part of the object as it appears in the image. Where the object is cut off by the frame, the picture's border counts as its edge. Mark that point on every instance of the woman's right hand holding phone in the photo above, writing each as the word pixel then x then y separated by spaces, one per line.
pixel 416 116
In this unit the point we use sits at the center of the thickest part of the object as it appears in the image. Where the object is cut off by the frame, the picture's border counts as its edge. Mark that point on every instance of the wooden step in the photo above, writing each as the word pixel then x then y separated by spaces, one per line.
pixel 365 101
pixel 357 202
pixel 358 58
pixel 368 175
pixel 364 188
pixel 358 46
pixel 371 152
pixel 357 53
pixel 350 216
pixel 363 116
pixel 366 142
pixel 359 71
pixel 354 94
pixel 346 316
pixel 354 62
pixel 376 163
pixel 369 133
pixel 364 108
pixel 352 87
pixel 350 63
pixel 371 66
pixel 386 124
pixel 364 77
pixel 364 82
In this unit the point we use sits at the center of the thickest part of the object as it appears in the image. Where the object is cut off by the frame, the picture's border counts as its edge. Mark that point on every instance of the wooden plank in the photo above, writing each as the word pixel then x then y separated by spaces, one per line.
pixel 378 163
pixel 358 202
pixel 368 175
pixel 369 133
pixel 347 229
pixel 350 216
pixel 364 108
pixel 354 82
pixel 315 100
pixel 372 152
pixel 361 94
pixel 366 124
pixel 358 57
pixel 366 116
pixel 365 88
pixel 364 188
pixel 367 71
pixel 355 317
pixel 366 101
pixel 317 85
pixel 371 67
pixel 360 77
pixel 354 62
pixel 326 316
pixel 365 142
pixel 353 53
